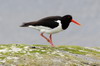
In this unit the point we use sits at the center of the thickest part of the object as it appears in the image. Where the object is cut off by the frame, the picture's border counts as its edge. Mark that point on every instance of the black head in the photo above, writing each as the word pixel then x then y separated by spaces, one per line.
pixel 67 18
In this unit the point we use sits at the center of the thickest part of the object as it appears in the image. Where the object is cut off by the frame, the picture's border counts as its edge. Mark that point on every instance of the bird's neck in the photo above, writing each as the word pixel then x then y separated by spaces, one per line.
pixel 65 24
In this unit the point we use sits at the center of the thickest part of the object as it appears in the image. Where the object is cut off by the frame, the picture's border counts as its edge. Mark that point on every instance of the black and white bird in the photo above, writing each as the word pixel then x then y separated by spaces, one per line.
pixel 51 25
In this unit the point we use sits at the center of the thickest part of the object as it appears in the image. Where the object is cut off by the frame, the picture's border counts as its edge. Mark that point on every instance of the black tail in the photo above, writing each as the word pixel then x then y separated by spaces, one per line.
pixel 25 25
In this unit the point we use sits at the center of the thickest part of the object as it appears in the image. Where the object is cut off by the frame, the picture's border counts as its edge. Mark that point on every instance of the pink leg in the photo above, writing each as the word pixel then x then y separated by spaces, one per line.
pixel 45 37
pixel 50 41
pixel 50 37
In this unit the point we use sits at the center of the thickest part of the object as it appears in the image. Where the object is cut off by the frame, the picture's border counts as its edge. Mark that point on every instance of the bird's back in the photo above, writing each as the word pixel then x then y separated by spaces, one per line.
pixel 48 22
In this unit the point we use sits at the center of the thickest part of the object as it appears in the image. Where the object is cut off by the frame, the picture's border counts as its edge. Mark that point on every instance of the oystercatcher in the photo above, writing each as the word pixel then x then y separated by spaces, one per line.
pixel 51 25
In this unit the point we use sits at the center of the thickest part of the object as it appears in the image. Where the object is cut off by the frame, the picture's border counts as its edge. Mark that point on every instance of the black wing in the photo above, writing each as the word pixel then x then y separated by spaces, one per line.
pixel 47 22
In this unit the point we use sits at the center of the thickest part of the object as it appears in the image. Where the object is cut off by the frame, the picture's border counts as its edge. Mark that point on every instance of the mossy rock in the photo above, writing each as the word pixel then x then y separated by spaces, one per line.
pixel 44 55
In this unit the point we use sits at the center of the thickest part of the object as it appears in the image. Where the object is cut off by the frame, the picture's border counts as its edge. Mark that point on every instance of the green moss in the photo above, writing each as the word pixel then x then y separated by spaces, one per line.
pixel 40 45
pixel 73 49
pixel 76 50
pixel 7 53
pixel 1 58
pixel 18 54
pixel 35 51
pixel 21 45
pixel 43 53
pixel 1 48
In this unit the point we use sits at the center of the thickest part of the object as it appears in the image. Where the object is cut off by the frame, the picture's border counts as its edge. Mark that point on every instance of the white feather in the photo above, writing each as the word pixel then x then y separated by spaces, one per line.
pixel 47 29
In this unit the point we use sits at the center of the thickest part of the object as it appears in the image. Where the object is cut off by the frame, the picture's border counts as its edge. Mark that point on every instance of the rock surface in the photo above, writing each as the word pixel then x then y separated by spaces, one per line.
pixel 44 55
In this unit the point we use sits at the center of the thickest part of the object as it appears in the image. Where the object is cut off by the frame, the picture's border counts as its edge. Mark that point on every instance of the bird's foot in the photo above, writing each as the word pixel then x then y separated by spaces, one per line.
pixel 51 43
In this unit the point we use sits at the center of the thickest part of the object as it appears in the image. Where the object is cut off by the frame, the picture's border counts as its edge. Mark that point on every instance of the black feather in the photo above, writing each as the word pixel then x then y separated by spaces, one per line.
pixel 47 22
pixel 25 25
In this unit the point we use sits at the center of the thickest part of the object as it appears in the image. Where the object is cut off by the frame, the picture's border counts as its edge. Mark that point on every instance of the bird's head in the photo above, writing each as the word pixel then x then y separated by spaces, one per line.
pixel 68 18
